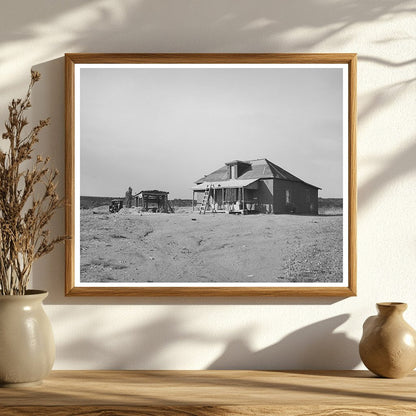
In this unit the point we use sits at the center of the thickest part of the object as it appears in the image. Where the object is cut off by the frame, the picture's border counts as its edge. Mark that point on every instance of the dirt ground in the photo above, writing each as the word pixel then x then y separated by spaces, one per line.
pixel 187 247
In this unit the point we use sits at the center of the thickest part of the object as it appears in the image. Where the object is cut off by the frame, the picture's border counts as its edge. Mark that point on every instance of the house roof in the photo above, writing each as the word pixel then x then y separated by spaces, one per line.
pixel 256 169
pixel 152 192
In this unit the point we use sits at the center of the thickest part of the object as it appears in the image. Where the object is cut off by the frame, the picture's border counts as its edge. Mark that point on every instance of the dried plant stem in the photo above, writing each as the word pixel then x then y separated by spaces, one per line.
pixel 23 217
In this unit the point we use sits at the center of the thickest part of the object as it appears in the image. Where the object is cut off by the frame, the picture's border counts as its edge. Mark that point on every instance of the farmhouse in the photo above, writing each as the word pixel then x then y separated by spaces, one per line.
pixel 255 186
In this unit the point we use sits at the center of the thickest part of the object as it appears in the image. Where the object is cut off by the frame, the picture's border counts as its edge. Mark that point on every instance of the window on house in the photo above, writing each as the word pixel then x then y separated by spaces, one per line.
pixel 287 196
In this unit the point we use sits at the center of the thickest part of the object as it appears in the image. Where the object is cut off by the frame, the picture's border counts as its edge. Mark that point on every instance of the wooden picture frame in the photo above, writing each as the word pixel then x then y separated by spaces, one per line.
pixel 92 85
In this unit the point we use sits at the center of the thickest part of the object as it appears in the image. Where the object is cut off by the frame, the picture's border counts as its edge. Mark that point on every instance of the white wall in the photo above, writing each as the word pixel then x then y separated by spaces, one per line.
pixel 198 333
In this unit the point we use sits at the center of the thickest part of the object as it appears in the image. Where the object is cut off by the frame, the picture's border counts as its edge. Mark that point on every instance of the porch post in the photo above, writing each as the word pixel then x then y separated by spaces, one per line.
pixel 242 195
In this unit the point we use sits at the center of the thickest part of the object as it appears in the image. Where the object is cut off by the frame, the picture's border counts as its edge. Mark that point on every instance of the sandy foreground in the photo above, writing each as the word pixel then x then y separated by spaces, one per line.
pixel 188 247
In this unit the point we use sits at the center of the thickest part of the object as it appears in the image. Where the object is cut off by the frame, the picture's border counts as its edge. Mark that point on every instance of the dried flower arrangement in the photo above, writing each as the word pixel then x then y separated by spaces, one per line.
pixel 28 199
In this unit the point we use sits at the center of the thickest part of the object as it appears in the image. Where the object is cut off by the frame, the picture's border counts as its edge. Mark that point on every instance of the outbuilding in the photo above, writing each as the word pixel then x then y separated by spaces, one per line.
pixel 154 200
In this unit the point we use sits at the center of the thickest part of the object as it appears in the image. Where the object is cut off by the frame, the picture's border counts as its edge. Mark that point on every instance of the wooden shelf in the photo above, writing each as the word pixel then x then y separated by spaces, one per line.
pixel 203 393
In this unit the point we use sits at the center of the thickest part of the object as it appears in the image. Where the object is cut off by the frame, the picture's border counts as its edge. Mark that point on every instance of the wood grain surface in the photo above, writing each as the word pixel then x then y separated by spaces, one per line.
pixel 203 393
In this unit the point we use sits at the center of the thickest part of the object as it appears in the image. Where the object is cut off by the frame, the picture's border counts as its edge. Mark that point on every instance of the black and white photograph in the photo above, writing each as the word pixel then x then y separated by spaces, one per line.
pixel 211 175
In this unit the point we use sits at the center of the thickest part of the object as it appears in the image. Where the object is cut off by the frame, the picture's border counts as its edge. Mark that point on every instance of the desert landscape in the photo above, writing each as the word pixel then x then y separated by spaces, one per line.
pixel 133 246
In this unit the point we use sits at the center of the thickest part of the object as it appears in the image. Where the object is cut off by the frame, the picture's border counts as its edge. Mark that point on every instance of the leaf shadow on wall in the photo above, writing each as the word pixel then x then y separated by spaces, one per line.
pixel 144 346
pixel 403 162
pixel 397 166
pixel 151 345
pixel 313 347
pixel 188 26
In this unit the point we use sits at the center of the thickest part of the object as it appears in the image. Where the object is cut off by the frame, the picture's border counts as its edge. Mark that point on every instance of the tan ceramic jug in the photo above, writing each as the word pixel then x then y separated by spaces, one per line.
pixel 388 344
pixel 27 347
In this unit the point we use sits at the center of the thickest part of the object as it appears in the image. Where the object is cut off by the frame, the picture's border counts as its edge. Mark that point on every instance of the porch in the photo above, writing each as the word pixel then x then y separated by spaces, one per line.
pixel 231 197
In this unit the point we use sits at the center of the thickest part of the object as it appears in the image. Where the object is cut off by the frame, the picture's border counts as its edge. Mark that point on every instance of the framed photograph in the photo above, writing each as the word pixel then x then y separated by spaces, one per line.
pixel 211 174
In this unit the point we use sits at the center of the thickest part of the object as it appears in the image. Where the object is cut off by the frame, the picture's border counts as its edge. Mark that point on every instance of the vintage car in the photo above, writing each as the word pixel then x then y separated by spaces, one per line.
pixel 116 205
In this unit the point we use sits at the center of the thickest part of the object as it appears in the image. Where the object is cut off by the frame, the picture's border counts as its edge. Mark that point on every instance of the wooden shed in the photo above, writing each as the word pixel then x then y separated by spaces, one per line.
pixel 155 201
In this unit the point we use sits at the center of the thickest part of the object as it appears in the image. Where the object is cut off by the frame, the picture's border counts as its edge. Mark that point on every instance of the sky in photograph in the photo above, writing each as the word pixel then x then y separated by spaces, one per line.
pixel 159 128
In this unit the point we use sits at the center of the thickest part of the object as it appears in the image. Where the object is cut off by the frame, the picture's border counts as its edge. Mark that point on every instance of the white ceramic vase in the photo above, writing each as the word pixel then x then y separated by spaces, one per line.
pixel 27 347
